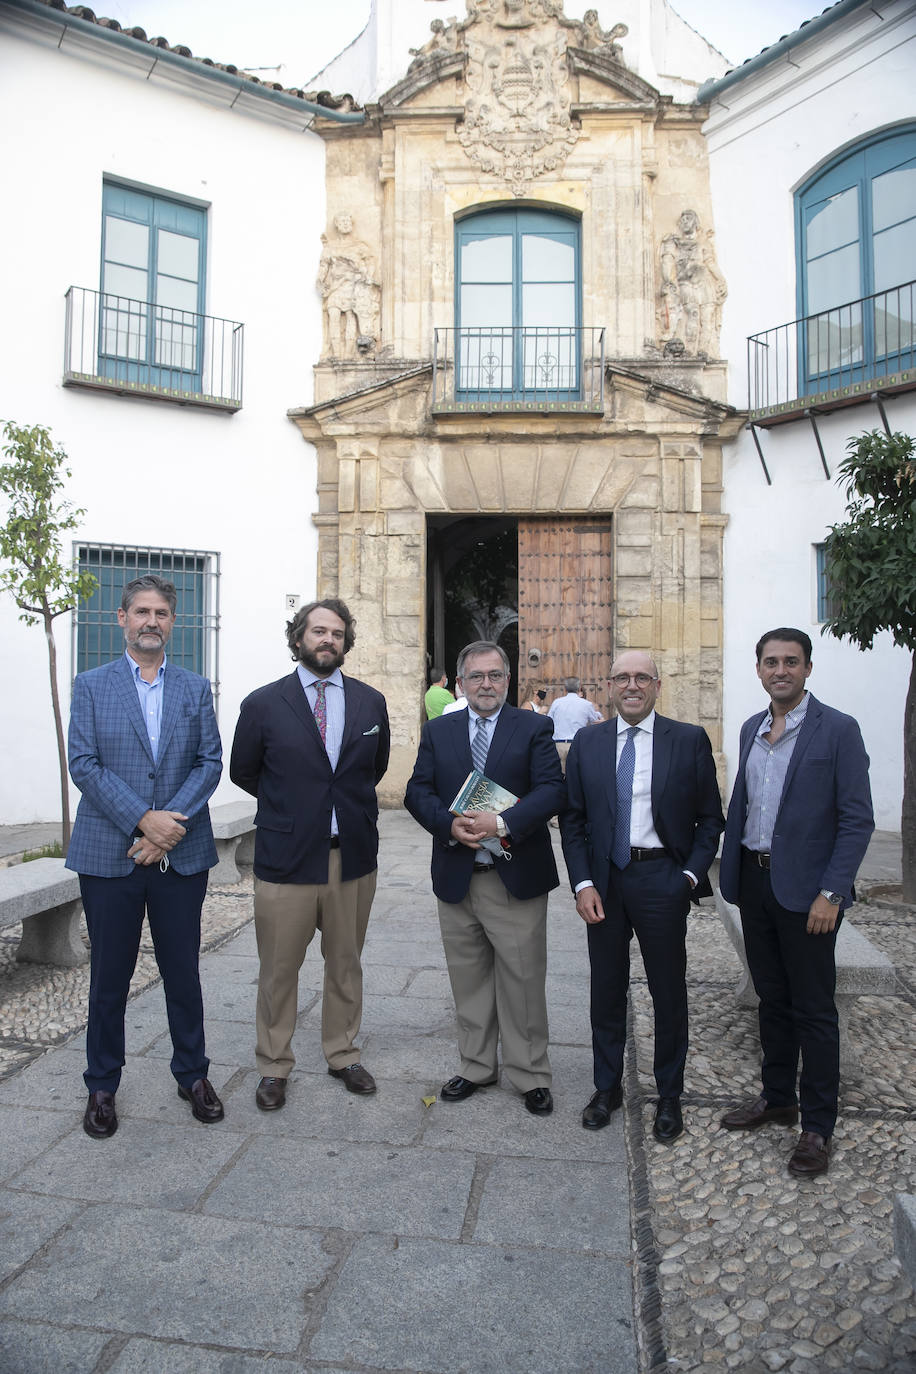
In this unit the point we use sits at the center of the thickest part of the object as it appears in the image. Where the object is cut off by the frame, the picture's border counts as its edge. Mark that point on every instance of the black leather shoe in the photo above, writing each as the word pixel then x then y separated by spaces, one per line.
pixel 668 1123
pixel 539 1101
pixel 205 1104
pixel 270 1094
pixel 749 1115
pixel 458 1088
pixel 356 1079
pixel 100 1119
pixel 599 1108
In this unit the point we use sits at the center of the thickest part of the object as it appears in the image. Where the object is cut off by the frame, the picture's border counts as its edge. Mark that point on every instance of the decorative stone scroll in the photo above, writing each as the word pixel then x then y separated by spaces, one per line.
pixel 691 290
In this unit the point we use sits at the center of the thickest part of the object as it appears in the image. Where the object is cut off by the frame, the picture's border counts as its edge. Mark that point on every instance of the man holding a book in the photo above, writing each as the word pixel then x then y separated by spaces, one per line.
pixel 492 868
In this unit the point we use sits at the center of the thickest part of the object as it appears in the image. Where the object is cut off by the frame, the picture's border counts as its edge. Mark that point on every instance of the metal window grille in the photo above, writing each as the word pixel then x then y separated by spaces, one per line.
pixel 825 600
pixel 194 643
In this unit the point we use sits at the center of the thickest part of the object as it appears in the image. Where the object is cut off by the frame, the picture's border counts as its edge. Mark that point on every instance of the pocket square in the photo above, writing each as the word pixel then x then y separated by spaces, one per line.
pixel 373 731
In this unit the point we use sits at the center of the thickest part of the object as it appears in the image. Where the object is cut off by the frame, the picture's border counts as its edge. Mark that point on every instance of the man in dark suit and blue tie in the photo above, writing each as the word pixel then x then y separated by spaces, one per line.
pixel 493 911
pixel 312 747
pixel 799 822
pixel 145 753
pixel 640 831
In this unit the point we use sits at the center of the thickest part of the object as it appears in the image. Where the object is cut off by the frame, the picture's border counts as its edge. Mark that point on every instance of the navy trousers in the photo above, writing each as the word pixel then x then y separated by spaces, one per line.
pixel 651 898
pixel 115 909
pixel 794 976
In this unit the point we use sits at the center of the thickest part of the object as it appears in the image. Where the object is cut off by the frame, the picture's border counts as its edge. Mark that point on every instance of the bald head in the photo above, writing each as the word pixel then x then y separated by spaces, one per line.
pixel 634 685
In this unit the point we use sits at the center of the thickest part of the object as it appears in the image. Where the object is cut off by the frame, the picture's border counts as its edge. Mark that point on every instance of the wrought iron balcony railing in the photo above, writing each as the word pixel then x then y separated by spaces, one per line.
pixel 140 348
pixel 519 368
pixel 837 357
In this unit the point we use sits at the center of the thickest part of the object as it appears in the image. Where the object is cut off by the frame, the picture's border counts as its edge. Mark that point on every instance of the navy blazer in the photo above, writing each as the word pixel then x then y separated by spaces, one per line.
pixel 522 758
pixel 278 756
pixel 686 806
pixel 112 764
pixel 825 816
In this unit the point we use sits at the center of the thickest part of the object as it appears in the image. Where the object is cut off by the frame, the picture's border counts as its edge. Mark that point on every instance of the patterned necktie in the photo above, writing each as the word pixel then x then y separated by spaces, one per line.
pixel 321 712
pixel 626 771
pixel 480 746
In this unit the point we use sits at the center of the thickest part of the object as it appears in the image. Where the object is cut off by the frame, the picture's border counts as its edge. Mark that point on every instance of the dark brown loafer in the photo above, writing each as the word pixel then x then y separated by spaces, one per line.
pixel 205 1104
pixel 748 1116
pixel 270 1094
pixel 811 1156
pixel 356 1079
pixel 100 1119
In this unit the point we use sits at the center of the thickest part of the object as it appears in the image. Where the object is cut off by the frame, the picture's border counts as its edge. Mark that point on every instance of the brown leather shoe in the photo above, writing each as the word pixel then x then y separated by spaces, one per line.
pixel 356 1079
pixel 811 1155
pixel 205 1104
pixel 100 1119
pixel 270 1094
pixel 749 1115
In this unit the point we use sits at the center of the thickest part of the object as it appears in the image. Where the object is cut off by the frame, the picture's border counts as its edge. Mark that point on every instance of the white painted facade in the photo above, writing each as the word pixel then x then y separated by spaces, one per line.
pixel 152 472
pixel 767 134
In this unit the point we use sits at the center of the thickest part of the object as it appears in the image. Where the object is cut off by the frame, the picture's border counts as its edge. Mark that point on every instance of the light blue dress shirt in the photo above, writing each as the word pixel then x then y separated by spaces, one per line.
pixel 149 695
pixel 336 714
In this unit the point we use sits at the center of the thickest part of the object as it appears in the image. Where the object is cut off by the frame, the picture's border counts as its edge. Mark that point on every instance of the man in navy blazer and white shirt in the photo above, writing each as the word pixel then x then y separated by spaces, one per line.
pixel 312 747
pixel 145 753
pixel 641 829
pixel 799 822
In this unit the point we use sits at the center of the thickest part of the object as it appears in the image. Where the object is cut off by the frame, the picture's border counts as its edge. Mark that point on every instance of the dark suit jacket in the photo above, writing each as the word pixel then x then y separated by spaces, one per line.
pixel 112 764
pixel 686 807
pixel 278 756
pixel 825 816
pixel 523 758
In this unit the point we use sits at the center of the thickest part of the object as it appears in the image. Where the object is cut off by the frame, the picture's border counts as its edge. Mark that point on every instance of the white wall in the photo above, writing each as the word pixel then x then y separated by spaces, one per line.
pixel 147 471
pixel 779 126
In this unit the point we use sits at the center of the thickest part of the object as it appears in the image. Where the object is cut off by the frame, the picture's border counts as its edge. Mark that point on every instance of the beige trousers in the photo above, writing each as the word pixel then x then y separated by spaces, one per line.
pixel 286 916
pixel 496 951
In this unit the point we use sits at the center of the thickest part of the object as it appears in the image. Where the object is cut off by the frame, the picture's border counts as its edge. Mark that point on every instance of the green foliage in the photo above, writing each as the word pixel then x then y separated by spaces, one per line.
pixel 47 851
pixel 39 575
pixel 871 556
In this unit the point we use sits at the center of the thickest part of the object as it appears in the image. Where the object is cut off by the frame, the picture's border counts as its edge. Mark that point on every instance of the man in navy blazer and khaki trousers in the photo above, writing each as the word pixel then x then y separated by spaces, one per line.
pixel 799 822
pixel 312 747
pixel 639 835
pixel 145 753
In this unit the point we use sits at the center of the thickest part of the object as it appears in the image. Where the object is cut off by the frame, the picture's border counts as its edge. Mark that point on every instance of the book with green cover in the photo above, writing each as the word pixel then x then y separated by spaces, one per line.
pixel 480 793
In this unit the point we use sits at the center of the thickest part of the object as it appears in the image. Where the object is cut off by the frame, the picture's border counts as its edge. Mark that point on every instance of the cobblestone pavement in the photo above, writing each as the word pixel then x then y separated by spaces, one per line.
pixel 737 1265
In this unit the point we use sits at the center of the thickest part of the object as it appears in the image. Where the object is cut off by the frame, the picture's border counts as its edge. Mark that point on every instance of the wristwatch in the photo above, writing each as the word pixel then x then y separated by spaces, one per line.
pixel 834 898
pixel 501 828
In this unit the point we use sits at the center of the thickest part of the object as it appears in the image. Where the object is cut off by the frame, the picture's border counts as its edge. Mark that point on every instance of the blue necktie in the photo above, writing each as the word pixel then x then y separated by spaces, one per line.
pixel 626 771
pixel 480 745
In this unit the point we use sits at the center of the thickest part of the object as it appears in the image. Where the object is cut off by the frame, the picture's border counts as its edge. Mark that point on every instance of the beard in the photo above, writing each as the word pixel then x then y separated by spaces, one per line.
pixel 321 661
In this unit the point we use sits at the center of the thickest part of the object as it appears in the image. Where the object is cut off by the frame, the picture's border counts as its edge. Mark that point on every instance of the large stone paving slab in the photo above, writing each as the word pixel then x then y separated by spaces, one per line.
pixel 410 1192
pixel 319 1107
pixel 495 1122
pixel 26 1133
pixel 35 1348
pixel 442 1308
pixel 190 1278
pixel 25 1224
pixel 146 1162
pixel 153 1357
pixel 556 1203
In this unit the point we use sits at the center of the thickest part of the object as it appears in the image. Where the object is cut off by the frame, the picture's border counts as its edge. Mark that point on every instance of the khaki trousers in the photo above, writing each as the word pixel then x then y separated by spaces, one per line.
pixel 286 916
pixel 496 951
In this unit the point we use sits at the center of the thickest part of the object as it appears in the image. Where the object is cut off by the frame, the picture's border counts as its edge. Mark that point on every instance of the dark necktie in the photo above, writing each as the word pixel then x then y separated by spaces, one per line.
pixel 626 771
pixel 321 712
pixel 480 745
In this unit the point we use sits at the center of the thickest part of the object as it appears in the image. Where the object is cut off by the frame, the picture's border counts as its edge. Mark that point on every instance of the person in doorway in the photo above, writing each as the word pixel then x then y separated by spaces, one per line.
pixel 438 696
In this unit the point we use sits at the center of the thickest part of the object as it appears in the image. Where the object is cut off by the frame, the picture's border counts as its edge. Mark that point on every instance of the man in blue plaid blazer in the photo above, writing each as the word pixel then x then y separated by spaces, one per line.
pixel 145 753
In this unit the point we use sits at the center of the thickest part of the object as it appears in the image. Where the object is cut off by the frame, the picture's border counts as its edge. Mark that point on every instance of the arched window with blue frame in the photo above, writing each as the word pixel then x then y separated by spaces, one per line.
pixel 518 305
pixel 856 242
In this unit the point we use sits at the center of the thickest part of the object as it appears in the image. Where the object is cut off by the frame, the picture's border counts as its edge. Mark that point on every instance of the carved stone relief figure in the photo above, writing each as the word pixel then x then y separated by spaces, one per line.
pixel 691 290
pixel 593 37
pixel 347 282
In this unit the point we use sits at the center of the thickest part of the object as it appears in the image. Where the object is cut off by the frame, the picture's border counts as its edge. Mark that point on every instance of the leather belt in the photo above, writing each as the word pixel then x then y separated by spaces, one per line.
pixel 638 856
pixel 564 741
pixel 483 868
pixel 757 856
pixel 335 841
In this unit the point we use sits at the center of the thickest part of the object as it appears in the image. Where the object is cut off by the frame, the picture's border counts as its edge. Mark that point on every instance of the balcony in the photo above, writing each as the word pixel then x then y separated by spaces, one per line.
pixel 545 369
pixel 138 348
pixel 840 357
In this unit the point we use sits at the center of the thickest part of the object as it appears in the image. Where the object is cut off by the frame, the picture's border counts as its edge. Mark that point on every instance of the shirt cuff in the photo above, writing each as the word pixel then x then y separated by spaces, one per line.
pixel 587 882
pixel 691 876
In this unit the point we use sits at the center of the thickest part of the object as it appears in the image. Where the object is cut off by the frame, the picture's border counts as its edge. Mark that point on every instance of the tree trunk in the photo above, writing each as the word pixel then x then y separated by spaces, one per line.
pixel 59 728
pixel 908 816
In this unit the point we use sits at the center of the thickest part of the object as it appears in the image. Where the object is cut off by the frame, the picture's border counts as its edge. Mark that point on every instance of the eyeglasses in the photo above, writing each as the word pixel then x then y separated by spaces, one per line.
pixel 475 679
pixel 624 679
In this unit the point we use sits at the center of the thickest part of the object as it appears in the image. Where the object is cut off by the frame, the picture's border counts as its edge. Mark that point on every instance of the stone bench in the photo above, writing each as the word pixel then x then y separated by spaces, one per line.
pixel 45 897
pixel 861 970
pixel 233 831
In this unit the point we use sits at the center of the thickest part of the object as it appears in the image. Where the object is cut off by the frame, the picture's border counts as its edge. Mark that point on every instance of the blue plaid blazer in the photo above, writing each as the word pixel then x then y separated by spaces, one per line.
pixel 113 766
